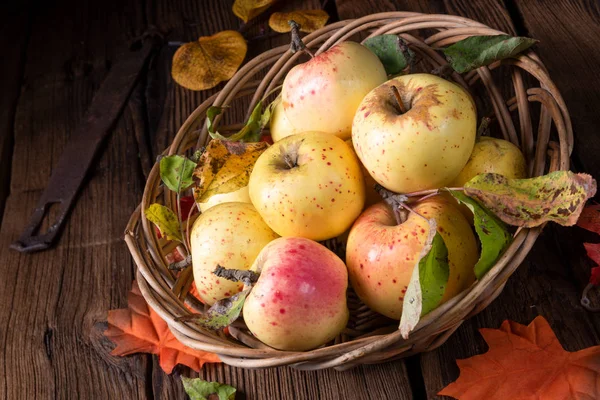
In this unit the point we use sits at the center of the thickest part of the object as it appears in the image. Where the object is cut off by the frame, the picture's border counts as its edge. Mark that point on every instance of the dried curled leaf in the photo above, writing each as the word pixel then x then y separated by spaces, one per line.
pixel 139 329
pixel 165 220
pixel 212 59
pixel 199 389
pixel 559 196
pixel 309 20
pixel 527 362
pixel 427 283
pixel 478 51
pixel 492 233
pixel 248 9
pixel 224 167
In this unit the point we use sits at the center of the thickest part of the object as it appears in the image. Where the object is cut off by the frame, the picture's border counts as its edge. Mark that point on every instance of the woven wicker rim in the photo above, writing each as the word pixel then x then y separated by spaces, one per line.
pixel 366 341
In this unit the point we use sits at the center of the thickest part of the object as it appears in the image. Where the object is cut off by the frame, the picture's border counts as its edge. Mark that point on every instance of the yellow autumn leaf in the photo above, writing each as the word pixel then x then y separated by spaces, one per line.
pixel 248 9
pixel 225 167
pixel 309 20
pixel 212 59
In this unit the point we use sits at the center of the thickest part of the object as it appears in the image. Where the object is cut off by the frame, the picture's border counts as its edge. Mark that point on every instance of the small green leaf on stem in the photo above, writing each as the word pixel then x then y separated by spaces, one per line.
pixel 221 314
pixel 176 172
pixel 559 197
pixel 199 389
pixel 478 51
pixel 493 234
pixel 251 132
pixel 392 50
pixel 165 220
pixel 427 283
pixel 266 117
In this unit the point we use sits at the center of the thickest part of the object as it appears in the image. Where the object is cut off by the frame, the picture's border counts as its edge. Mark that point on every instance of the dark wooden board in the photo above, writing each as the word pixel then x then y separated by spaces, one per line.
pixel 14 34
pixel 53 301
pixel 551 279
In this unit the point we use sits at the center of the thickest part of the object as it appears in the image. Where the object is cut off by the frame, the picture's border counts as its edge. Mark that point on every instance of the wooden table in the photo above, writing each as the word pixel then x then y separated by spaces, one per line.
pixel 54 303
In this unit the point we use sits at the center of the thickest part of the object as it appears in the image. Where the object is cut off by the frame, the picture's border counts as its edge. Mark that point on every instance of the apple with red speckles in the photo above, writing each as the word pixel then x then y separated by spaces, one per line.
pixel 308 185
pixel 299 300
pixel 417 138
pixel 230 235
pixel 382 253
pixel 324 93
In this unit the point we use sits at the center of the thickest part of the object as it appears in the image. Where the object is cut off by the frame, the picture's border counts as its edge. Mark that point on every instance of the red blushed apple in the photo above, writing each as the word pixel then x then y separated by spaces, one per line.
pixel 299 301
pixel 381 253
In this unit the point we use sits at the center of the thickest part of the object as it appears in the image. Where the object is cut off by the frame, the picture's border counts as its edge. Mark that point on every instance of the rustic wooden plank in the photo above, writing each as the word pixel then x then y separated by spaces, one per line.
pixel 567 31
pixel 544 284
pixel 187 21
pixel 54 302
pixel 14 35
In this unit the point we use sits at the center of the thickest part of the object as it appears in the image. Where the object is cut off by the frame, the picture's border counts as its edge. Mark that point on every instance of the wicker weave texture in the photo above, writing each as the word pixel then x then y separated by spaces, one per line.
pixel 369 337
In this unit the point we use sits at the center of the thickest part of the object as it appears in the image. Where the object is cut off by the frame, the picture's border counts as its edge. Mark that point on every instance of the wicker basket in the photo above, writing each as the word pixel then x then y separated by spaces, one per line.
pixel 369 337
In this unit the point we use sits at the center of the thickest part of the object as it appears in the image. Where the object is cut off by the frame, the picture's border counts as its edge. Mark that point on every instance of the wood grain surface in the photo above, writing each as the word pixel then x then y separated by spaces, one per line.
pixel 55 54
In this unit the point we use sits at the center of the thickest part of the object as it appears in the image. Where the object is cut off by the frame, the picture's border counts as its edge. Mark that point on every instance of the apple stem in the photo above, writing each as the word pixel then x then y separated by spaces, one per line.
pixel 404 205
pixel 179 265
pixel 427 196
pixel 237 275
pixel 429 191
pixel 483 127
pixel 396 94
pixel 297 43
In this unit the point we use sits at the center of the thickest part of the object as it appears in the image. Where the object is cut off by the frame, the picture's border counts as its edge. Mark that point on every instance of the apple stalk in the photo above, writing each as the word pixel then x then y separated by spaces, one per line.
pixel 247 277
pixel 297 43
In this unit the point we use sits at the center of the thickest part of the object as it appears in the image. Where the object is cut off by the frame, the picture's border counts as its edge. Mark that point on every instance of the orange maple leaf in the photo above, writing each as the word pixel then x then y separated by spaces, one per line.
pixel 527 362
pixel 139 329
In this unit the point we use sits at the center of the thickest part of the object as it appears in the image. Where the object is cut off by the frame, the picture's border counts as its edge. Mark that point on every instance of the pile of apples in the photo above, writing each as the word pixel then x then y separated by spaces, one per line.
pixel 340 126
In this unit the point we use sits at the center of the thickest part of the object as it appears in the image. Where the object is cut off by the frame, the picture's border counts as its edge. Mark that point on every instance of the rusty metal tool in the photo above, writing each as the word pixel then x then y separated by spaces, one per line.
pixel 69 173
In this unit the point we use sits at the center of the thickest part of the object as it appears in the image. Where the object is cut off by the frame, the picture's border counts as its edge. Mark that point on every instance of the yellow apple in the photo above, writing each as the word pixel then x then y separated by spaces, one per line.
pixel 299 301
pixel 371 195
pixel 230 235
pixel 323 93
pixel 240 195
pixel 381 254
pixel 309 185
pixel 423 147
pixel 280 126
pixel 493 155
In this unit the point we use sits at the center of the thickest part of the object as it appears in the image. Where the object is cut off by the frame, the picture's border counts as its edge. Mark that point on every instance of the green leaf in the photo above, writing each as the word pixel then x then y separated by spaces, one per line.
pixel 559 196
pixel 251 132
pixel 266 117
pixel 493 234
pixel 165 220
pixel 176 172
pixel 427 283
pixel 211 114
pixel 433 274
pixel 198 389
pixel 393 52
pixel 478 51
pixel 221 314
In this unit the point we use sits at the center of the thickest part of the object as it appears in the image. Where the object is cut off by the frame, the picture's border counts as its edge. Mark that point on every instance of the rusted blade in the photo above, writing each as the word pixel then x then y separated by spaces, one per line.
pixel 68 175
